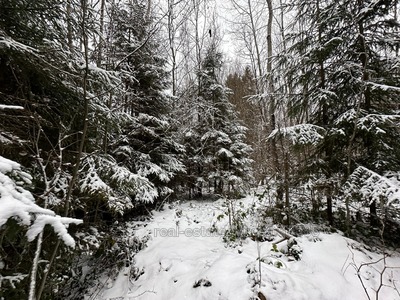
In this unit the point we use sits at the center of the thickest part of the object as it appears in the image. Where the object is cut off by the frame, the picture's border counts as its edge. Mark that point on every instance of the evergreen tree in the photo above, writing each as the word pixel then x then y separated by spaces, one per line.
pixel 96 141
pixel 346 81
pixel 216 148
pixel 146 144
pixel 39 74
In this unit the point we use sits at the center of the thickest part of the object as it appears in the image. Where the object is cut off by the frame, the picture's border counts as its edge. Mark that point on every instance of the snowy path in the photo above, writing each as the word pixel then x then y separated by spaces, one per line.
pixel 182 261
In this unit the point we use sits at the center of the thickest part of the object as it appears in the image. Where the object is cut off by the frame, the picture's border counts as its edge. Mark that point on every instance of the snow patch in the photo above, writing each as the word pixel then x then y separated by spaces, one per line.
pixel 179 265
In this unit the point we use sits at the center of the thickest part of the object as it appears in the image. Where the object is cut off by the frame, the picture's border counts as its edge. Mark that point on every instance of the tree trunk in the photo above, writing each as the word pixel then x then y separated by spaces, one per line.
pixel 395 18
pixel 373 219
pixel 314 205
pixel 254 33
pixel 329 205
pixel 287 196
pixel 101 38
pixel 364 59
pixel 272 104
pixel 171 39
pixel 148 12
pixel 69 27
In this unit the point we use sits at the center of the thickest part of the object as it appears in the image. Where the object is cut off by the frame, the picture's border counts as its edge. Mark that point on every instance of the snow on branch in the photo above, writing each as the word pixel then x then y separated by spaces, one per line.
pixel 4 106
pixel 374 187
pixel 7 42
pixel 374 123
pixel 19 204
pixel 383 87
pixel 16 278
pixel 7 138
pixel 301 134
pixel 101 175
pixel 224 153
pixel 371 122
pixel 59 224
pixel 218 135
pixel 347 117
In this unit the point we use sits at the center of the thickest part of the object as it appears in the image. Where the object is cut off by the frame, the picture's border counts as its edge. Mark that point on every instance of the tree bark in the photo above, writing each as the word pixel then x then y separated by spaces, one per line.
pixel 69 27
pixel 101 38
pixel 148 12
pixel 373 215
pixel 171 38
pixel 272 104
pixel 329 205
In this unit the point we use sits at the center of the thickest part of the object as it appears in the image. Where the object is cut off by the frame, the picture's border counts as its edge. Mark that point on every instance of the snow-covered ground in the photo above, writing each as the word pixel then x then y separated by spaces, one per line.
pixel 183 260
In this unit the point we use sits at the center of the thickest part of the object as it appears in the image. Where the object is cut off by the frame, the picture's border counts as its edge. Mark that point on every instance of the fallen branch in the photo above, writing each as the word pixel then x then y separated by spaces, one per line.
pixel 284 234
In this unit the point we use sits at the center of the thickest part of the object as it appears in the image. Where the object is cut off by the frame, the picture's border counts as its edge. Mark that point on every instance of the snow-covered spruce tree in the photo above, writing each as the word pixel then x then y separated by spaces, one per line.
pixel 308 57
pixel 45 72
pixel 367 80
pixel 217 154
pixel 145 145
pixel 41 74
pixel 343 55
pixel 137 159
